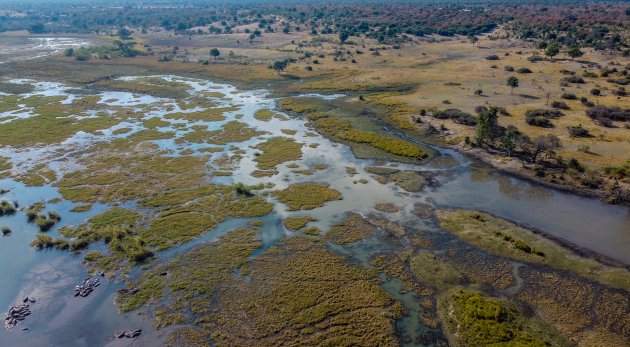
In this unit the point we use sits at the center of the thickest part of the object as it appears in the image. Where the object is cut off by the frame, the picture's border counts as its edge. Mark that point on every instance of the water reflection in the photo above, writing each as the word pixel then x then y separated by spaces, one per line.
pixel 51 275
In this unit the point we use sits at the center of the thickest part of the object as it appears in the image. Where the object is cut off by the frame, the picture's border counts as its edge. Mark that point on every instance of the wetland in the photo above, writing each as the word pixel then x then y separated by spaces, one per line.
pixel 227 204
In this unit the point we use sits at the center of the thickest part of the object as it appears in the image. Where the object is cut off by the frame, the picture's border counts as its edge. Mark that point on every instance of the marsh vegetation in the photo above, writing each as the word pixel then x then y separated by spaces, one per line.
pixel 308 198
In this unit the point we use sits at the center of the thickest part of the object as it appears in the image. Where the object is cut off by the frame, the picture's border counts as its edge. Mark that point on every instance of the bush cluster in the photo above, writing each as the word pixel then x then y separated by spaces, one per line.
pixel 456 115
pixel 604 115
pixel 541 117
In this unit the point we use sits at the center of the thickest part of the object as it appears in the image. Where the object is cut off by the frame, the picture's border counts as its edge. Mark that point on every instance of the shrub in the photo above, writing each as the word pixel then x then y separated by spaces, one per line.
pixel 44 223
pixel 6 230
pixel 523 70
pixel 567 72
pixel 543 113
pixel 79 245
pixel 54 215
pixel 569 96
pixel 575 165
pixel 535 58
pixel 539 122
pixel 613 113
pixel 456 115
pixel 560 105
pixel 592 180
pixel 574 79
pixel 589 74
pixel 82 57
pixel 242 189
pixel 584 101
pixel 619 171
pixel 578 131
pixel 6 208
pixel 492 57
pixel 502 111
pixel 606 122
pixel 43 241
pixel 508 68
pixel 522 246
pixel 596 92
pixel 622 81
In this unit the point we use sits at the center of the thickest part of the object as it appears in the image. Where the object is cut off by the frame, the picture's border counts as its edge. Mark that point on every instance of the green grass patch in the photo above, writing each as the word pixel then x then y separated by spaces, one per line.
pixel 297 223
pixel 352 228
pixel 264 115
pixel 49 114
pixel 276 151
pixel 475 320
pixel 307 196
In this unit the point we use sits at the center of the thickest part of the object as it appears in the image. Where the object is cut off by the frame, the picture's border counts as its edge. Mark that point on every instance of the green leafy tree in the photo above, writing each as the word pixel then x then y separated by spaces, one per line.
pixel 508 140
pixel 575 52
pixel 124 34
pixel 552 50
pixel 512 82
pixel 343 36
pixel 541 45
pixel 487 125
pixel 215 53
pixel 37 28
pixel 279 66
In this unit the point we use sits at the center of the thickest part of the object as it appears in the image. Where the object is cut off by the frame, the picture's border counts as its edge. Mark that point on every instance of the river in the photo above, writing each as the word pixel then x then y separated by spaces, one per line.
pixel 50 275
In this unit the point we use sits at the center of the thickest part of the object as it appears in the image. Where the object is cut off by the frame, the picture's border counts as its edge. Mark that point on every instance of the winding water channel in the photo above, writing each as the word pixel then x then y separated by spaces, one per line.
pixel 51 275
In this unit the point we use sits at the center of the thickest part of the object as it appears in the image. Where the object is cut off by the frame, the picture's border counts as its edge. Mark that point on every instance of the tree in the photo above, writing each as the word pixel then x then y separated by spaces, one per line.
pixel 508 140
pixel 215 53
pixel 37 28
pixel 512 82
pixel 487 125
pixel 575 52
pixel 541 45
pixel 124 33
pixel 473 39
pixel 279 66
pixel 343 36
pixel 543 144
pixel 552 51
